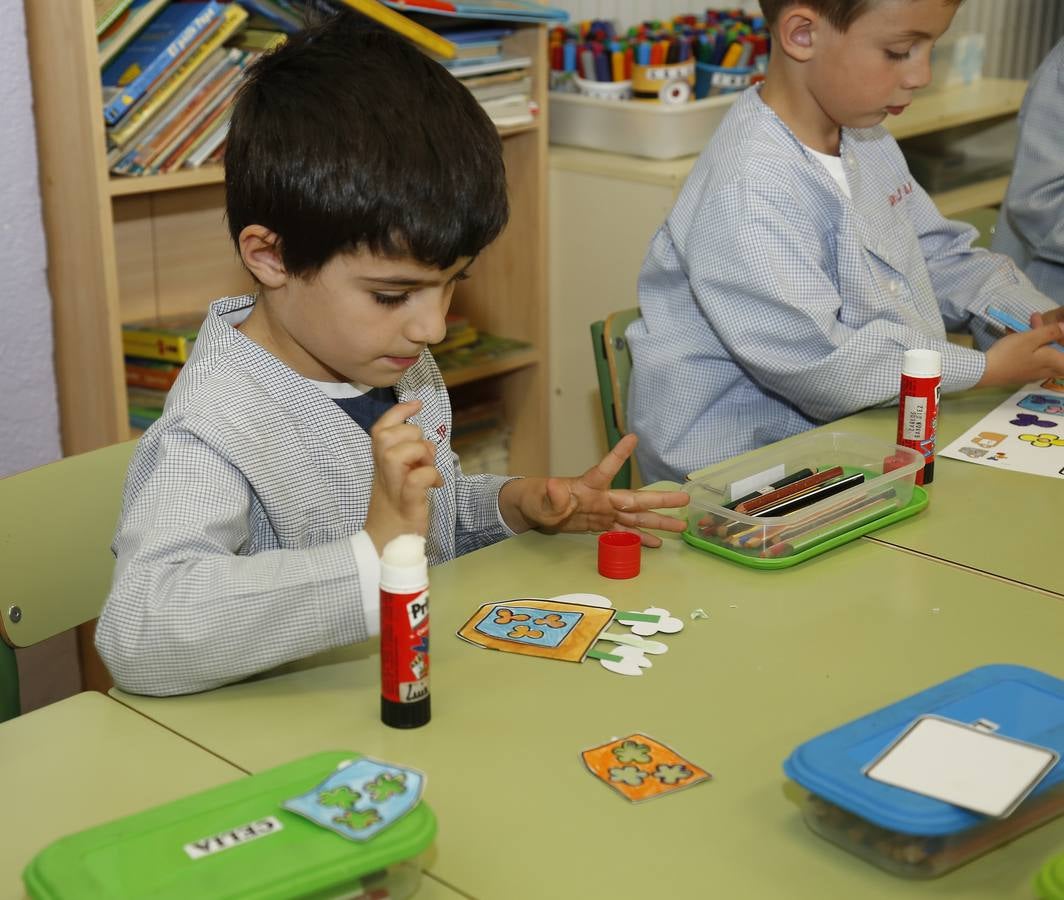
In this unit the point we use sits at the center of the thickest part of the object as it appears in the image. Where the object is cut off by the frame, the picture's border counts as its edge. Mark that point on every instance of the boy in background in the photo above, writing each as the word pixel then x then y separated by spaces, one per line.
pixel 801 259
pixel 310 425
pixel 1030 225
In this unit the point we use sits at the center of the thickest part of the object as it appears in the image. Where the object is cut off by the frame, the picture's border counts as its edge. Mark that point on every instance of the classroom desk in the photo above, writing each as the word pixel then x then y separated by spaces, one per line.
pixel 782 657
pixel 996 522
pixel 84 761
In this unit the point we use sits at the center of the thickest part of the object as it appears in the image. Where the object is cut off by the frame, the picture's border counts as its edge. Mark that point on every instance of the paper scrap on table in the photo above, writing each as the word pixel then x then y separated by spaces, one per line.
pixel 964 765
pixel 1023 434
pixel 641 768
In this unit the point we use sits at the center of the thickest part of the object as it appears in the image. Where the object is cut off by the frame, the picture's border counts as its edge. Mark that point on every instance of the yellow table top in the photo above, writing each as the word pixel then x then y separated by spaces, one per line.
pixel 783 656
pixel 84 761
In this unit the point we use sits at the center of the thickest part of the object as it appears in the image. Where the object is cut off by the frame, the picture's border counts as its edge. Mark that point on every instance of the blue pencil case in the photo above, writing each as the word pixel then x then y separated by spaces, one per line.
pixel 909 834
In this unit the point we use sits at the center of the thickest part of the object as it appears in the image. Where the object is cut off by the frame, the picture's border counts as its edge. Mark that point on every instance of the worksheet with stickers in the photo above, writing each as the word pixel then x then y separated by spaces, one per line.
pixel 1023 434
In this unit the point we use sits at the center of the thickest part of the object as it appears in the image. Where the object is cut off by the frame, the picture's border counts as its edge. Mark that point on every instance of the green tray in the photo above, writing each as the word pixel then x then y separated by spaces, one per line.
pixel 916 503
pixel 1049 885
pixel 144 855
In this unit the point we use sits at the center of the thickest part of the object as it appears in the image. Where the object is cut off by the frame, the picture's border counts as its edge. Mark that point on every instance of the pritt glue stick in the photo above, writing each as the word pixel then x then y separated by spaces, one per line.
pixel 921 380
pixel 405 701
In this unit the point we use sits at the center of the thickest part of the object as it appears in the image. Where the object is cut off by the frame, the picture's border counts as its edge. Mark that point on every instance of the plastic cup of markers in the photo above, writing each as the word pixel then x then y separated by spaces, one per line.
pixel 604 90
pixel 619 554
pixel 713 80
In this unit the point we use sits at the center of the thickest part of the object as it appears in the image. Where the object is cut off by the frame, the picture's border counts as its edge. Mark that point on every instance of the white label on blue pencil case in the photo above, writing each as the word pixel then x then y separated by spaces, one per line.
pixel 964 765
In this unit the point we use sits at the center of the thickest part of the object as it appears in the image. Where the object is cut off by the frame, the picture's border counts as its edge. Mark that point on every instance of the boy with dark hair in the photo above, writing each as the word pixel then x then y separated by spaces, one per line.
pixel 801 259
pixel 309 427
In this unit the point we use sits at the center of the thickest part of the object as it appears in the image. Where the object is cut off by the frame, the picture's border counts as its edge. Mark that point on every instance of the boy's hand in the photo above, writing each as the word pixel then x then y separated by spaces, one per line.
pixel 403 472
pixel 587 503
pixel 1026 356
pixel 1047 318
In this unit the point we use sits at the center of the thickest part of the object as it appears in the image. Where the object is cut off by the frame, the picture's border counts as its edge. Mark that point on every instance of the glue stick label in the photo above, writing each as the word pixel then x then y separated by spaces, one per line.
pixel 918 419
pixel 404 646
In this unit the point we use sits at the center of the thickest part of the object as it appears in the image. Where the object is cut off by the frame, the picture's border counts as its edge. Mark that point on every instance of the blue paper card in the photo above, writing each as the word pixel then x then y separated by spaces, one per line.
pixel 528 625
pixel 361 799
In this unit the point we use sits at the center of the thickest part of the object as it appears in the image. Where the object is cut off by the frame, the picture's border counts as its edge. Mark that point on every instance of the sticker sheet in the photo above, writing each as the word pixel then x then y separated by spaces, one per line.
pixel 640 768
pixel 361 799
pixel 546 628
pixel 1024 434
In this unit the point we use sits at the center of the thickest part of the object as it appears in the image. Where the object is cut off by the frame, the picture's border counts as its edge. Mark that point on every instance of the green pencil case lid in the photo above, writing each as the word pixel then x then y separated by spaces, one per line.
pixel 235 840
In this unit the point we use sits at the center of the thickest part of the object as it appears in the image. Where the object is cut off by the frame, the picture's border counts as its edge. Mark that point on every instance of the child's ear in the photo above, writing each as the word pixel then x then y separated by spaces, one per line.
pixel 261 252
pixel 795 30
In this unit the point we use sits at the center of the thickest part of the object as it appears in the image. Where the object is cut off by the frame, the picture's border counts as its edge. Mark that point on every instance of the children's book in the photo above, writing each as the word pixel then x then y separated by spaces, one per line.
pixel 169 338
pixel 277 14
pixel 517 10
pixel 200 59
pixel 160 48
pixel 504 64
pixel 107 11
pixel 125 27
pixel 151 373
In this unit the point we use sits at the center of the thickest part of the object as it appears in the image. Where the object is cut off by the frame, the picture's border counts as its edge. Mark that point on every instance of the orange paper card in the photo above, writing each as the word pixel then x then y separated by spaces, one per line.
pixel 640 768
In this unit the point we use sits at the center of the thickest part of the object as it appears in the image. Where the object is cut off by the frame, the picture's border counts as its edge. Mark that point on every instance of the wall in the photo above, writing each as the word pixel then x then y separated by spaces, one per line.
pixel 29 427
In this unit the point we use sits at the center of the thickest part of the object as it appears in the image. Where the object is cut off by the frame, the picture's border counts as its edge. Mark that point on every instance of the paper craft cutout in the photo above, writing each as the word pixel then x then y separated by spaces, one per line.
pixel 640 768
pixel 622 660
pixel 666 623
pixel 988 439
pixel 634 640
pixel 963 764
pixel 1054 384
pixel 1040 403
pixel 1042 440
pixel 361 799
pixel 545 628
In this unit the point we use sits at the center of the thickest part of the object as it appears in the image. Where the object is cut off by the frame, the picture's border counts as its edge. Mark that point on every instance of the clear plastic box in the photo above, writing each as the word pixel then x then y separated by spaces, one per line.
pixel 911 835
pixel 639 128
pixel 887 493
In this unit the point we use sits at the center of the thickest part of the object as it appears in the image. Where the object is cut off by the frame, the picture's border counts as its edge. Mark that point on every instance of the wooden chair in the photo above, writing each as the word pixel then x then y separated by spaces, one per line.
pixel 55 553
pixel 613 365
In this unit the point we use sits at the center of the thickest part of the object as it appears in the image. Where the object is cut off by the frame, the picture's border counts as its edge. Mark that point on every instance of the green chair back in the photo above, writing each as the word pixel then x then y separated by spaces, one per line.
pixel 983 219
pixel 613 365
pixel 55 551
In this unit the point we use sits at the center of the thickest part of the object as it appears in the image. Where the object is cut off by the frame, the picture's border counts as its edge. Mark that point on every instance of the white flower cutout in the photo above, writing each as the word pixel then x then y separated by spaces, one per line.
pixel 632 640
pixel 666 624
pixel 633 661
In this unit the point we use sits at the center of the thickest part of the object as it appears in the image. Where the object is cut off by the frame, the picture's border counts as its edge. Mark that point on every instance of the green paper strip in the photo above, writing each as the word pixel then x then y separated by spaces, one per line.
pixel 637 617
pixel 602 654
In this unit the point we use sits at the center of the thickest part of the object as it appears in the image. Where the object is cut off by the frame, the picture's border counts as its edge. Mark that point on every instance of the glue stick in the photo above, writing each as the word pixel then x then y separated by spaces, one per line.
pixel 921 381
pixel 405 701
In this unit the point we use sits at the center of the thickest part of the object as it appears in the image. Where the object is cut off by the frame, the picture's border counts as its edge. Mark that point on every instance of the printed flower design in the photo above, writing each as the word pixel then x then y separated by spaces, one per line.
pixel 506 616
pixel 1042 440
pixel 629 775
pixel 357 819
pixel 341 796
pixel 672 774
pixel 386 785
pixel 632 752
pixel 551 620
pixel 523 631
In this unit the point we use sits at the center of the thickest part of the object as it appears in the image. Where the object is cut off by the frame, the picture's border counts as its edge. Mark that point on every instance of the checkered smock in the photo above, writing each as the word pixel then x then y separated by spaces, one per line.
pixel 1030 226
pixel 771 302
pixel 234 545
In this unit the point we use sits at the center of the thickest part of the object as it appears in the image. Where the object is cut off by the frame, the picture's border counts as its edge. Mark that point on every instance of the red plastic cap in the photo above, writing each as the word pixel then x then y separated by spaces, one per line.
pixel 618 554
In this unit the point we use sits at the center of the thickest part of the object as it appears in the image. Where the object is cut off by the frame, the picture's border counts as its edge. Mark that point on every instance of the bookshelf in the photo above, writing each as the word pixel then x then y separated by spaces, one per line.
pixel 121 249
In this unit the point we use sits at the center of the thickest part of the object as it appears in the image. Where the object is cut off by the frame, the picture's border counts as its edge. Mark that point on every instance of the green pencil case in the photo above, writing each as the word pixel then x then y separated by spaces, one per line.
pixel 886 494
pixel 237 840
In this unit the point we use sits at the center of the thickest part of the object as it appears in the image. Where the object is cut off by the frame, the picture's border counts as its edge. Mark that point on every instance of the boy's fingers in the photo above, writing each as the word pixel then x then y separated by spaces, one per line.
pixel 1047 334
pixel 600 475
pixel 636 501
pixel 558 500
pixel 397 415
pixel 652 520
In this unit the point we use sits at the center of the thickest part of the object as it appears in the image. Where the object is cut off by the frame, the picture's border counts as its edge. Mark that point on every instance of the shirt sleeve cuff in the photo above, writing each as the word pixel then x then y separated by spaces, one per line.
pixel 369 580
pixel 962 368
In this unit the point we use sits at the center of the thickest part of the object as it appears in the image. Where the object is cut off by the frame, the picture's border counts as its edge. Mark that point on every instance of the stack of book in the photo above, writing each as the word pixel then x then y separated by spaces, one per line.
pixel 501 83
pixel 481 438
pixel 154 352
pixel 460 333
pixel 169 74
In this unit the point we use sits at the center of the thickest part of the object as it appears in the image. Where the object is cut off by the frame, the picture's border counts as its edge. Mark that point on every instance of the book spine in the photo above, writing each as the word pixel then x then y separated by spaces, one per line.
pixel 147 377
pixel 129 93
pixel 156 345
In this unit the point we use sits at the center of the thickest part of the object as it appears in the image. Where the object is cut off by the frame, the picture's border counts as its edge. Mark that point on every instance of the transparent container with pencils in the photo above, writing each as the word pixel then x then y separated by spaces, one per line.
pixel 787 502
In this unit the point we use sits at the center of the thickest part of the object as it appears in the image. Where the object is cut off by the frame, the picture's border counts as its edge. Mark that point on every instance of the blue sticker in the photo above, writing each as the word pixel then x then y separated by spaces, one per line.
pixel 528 625
pixel 1040 403
pixel 361 799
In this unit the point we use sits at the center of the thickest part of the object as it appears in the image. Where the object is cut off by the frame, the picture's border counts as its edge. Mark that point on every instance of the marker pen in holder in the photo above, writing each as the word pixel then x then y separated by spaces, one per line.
pixel 405 701
pixel 921 381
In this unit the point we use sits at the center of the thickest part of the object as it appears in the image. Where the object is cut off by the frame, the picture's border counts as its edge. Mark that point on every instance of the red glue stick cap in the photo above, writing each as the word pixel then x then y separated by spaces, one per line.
pixel 618 554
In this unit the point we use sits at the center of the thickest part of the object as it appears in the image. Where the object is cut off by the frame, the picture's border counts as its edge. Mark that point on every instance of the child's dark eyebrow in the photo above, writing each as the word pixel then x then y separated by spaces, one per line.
pixel 907 35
